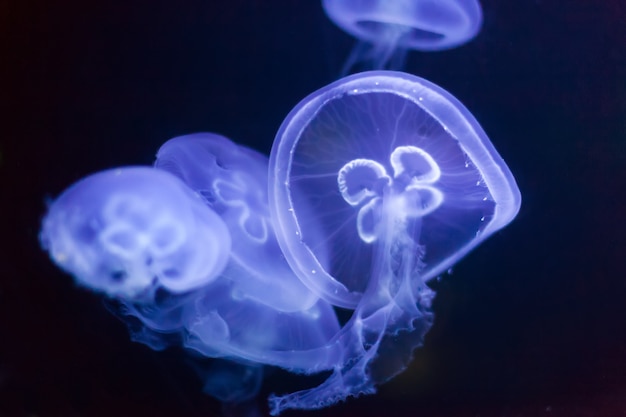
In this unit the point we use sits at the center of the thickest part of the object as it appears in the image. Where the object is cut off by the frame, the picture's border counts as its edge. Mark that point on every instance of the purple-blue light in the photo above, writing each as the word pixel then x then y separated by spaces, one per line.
pixel 386 29
pixel 375 184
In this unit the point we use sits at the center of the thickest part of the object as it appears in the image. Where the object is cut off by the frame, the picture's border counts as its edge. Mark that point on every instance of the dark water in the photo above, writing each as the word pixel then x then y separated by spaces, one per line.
pixel 533 323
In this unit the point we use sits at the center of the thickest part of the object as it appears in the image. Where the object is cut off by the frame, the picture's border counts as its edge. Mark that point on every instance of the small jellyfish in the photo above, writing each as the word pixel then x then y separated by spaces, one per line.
pixel 130 231
pixel 386 29
pixel 395 181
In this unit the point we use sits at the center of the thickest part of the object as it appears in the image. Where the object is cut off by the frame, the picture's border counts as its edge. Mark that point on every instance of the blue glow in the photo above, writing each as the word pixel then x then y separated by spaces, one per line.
pixel 386 29
pixel 375 184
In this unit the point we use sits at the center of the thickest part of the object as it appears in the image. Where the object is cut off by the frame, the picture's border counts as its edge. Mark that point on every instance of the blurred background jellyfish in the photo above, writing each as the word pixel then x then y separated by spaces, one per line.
pixel 403 182
pixel 129 231
pixel 387 29
pixel 232 181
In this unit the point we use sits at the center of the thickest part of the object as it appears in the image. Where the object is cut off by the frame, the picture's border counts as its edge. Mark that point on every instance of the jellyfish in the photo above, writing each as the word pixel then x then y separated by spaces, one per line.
pixel 375 185
pixel 386 29
pixel 129 231
pixel 379 182
pixel 232 181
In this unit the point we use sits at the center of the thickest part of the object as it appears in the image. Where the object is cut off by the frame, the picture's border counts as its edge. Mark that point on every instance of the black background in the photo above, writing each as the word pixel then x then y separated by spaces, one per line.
pixel 532 323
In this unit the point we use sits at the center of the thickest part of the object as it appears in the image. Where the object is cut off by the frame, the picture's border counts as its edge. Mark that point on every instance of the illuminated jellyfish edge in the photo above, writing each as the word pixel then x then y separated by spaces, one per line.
pixel 287 229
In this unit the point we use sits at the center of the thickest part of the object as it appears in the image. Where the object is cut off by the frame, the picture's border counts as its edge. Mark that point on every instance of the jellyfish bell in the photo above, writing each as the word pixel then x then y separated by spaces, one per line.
pixel 390 27
pixel 424 25
pixel 128 231
pixel 378 165
pixel 232 180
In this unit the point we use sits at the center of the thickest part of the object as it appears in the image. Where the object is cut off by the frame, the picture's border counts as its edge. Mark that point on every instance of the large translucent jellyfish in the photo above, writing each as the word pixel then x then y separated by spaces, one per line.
pixel 386 29
pixel 379 182
pixel 129 231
